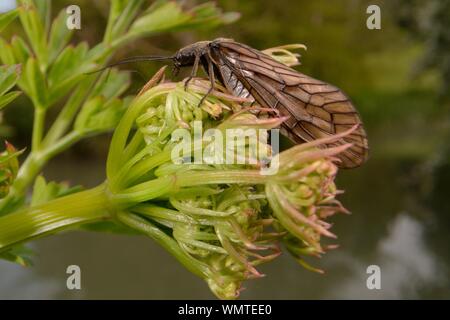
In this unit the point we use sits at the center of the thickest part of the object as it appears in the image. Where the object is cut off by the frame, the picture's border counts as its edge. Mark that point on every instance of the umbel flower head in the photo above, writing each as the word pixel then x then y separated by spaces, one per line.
pixel 219 219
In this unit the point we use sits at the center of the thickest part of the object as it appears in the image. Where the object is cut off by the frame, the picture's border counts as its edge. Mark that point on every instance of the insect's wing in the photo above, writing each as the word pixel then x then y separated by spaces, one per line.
pixel 316 109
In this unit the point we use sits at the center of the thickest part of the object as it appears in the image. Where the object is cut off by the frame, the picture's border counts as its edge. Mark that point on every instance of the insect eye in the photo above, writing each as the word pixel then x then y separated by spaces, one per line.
pixel 177 62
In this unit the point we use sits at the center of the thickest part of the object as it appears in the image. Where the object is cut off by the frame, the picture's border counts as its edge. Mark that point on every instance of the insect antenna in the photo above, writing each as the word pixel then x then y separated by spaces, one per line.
pixel 133 59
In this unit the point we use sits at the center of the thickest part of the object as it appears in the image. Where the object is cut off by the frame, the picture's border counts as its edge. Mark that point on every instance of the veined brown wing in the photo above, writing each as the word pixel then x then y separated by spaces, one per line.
pixel 316 109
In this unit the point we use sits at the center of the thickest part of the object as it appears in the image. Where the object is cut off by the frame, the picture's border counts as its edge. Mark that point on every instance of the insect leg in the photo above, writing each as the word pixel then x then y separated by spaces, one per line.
pixel 212 79
pixel 175 70
pixel 194 70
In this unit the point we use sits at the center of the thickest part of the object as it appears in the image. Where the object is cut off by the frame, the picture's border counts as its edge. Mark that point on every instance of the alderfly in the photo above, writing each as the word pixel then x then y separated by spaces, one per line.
pixel 314 108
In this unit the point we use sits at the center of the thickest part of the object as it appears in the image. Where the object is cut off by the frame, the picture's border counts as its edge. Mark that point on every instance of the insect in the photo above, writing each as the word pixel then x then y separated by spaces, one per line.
pixel 315 109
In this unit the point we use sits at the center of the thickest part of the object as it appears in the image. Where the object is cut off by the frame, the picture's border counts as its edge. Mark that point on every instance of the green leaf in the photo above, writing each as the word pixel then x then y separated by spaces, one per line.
pixel 15 52
pixel 7 18
pixel 91 107
pixel 44 10
pixel 208 15
pixel 18 254
pixel 40 191
pixel 97 115
pixel 66 63
pixel 109 116
pixel 161 16
pixel 70 109
pixel 121 15
pixel 20 49
pixel 8 77
pixel 34 28
pixel 98 52
pixel 116 9
pixel 60 35
pixel 112 84
pixel 44 192
pixel 9 97
pixel 164 16
pixel 6 52
pixel 68 70
pixel 35 87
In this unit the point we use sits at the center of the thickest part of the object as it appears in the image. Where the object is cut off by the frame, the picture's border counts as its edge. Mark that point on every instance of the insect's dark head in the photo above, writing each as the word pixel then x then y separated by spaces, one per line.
pixel 186 56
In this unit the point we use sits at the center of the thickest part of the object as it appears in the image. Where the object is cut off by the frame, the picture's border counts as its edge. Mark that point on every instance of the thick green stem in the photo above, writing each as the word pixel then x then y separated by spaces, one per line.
pixel 54 216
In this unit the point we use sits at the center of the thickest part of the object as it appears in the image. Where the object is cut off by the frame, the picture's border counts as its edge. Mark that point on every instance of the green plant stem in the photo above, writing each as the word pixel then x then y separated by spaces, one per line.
pixel 144 167
pixel 190 179
pixel 121 133
pixel 38 127
pixel 170 184
pixel 62 144
pixel 167 242
pixel 54 216
pixel 68 112
pixel 145 191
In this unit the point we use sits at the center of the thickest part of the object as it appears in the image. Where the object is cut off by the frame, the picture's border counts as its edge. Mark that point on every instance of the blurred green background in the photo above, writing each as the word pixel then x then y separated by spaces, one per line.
pixel 399 79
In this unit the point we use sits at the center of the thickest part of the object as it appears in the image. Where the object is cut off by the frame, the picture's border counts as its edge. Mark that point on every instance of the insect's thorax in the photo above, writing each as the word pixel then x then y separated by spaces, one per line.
pixel 206 52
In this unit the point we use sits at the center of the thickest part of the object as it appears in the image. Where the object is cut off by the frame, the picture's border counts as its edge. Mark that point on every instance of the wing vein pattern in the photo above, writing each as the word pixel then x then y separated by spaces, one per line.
pixel 315 108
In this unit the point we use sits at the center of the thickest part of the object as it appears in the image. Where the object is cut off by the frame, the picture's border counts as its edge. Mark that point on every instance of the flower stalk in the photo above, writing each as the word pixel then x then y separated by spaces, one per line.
pixel 57 215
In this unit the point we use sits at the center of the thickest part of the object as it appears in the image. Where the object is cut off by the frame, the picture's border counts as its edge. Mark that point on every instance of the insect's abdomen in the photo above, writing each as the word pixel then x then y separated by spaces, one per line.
pixel 232 83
